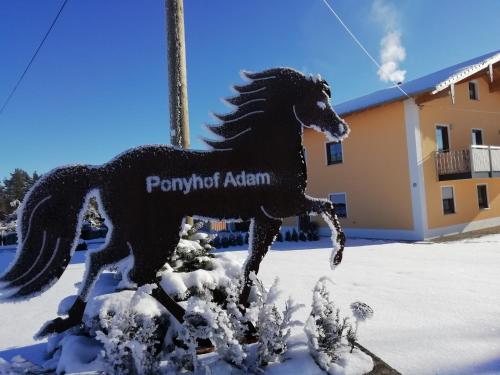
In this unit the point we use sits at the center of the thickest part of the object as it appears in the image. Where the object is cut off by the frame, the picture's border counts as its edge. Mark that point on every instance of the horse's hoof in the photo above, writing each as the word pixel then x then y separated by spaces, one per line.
pixel 57 325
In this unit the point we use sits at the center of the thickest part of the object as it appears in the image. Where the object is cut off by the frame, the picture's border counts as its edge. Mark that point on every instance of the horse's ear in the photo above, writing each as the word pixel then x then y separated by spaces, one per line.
pixel 326 88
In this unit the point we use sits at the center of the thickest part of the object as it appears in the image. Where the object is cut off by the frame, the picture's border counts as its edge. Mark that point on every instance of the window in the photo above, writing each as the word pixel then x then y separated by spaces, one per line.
pixel 339 200
pixel 442 138
pixel 448 197
pixel 477 137
pixel 473 91
pixel 334 154
pixel 482 197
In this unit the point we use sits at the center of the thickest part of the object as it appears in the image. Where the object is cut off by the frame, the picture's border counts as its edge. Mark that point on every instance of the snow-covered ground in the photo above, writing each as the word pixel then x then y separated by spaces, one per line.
pixel 437 306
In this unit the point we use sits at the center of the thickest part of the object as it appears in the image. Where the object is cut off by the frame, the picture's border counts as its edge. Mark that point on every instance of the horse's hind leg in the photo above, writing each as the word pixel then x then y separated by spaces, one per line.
pixel 97 260
pixel 150 255
pixel 263 231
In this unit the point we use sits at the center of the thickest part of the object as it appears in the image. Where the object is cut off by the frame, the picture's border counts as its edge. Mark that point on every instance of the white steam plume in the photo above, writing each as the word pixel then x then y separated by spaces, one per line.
pixel 392 52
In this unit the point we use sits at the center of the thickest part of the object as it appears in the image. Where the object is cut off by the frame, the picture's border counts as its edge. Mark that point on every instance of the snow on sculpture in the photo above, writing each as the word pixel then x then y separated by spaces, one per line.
pixel 255 171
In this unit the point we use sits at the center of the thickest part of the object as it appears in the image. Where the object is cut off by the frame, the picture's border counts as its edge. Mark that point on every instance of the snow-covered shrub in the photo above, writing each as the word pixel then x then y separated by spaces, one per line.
pixel 273 326
pixel 205 320
pixel 239 320
pixel 329 334
pixel 130 325
pixel 325 328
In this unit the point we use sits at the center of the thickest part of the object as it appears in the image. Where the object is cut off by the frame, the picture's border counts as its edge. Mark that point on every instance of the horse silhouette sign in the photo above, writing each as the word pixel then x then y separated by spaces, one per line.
pixel 254 171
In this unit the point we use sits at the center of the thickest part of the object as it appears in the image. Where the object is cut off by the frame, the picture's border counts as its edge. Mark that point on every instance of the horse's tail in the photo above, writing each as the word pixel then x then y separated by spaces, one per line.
pixel 48 226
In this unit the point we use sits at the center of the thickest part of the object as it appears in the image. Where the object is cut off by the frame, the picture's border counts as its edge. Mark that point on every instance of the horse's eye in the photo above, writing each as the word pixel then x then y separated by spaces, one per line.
pixel 321 105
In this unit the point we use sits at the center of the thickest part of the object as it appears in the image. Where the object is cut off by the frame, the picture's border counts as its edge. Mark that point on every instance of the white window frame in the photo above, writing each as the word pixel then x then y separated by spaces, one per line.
pixel 449 134
pixel 454 199
pixel 476 88
pixel 345 195
pixel 487 197
pixel 326 153
pixel 472 135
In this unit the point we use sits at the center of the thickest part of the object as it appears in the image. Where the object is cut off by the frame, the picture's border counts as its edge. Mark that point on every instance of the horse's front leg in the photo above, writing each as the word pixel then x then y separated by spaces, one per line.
pixel 263 231
pixel 326 209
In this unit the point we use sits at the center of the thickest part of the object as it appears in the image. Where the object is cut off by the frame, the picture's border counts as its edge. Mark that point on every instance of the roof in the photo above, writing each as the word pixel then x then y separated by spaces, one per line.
pixel 434 82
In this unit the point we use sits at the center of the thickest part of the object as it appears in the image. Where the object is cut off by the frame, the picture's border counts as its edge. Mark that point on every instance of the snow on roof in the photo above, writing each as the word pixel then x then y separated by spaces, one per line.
pixel 434 82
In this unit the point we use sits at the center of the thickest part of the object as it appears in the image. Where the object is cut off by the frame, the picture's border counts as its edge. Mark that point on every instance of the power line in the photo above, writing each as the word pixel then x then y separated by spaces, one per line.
pixel 33 57
pixel 358 42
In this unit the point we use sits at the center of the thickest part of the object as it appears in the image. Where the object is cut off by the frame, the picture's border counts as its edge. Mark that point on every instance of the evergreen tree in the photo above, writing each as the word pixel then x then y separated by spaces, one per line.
pixel 17 185
pixel 14 189
pixel 92 214
pixel 4 204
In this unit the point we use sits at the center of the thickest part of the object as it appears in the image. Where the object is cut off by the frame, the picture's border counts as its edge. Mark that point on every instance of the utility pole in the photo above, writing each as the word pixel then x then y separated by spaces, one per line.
pixel 179 115
pixel 177 76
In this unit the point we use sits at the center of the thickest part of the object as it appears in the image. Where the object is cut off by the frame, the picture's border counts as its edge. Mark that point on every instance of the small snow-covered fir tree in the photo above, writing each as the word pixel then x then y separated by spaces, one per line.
pixel 325 328
pixel 273 326
pixel 206 320
pixel 92 214
pixel 194 250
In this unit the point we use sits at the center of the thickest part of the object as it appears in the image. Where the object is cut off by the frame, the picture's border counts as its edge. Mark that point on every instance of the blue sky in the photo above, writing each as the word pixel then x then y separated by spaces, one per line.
pixel 99 85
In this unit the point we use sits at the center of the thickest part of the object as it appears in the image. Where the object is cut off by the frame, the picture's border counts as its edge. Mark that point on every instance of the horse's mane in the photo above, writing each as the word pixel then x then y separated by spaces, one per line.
pixel 236 128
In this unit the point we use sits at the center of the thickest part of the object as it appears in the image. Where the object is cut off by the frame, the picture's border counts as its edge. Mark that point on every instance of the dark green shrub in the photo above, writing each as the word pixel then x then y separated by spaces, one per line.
pixel 239 240
pixel 279 237
pixel 216 242
pixel 10 238
pixel 81 246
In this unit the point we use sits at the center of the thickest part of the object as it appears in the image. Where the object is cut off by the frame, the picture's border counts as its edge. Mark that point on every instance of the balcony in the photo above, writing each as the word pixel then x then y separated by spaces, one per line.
pixel 473 162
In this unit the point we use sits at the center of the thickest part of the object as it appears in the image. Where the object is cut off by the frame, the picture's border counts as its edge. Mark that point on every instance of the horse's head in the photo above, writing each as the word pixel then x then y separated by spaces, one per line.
pixel 275 94
pixel 313 110
pixel 309 98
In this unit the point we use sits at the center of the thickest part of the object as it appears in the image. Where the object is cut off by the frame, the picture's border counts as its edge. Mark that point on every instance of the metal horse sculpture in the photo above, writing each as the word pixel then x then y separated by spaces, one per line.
pixel 256 171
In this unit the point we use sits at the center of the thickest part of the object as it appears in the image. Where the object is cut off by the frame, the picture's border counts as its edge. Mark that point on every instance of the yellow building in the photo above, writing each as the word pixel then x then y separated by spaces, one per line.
pixel 422 159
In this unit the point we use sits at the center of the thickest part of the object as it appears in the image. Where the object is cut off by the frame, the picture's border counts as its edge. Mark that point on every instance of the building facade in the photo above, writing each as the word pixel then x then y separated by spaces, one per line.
pixel 422 159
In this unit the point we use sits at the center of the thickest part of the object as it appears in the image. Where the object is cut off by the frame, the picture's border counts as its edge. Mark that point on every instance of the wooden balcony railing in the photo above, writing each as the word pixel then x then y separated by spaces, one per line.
pixel 453 162
pixel 476 161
